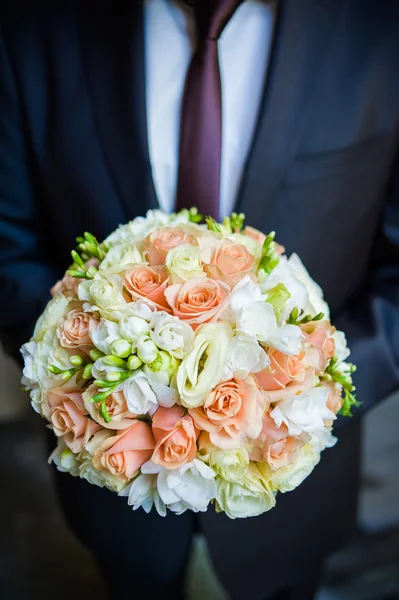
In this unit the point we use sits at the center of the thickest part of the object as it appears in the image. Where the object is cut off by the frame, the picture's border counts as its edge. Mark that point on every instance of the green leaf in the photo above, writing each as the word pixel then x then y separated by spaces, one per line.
pixel 213 225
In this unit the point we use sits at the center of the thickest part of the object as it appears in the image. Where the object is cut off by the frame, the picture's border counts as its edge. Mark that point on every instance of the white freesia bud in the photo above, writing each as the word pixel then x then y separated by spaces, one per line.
pixel 147 350
pixel 100 369
pixel 134 327
pixel 171 334
pixel 184 262
pixel 203 366
pixel 121 348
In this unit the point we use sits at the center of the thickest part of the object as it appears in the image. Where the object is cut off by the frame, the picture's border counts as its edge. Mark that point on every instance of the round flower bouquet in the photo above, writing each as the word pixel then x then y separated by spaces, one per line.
pixel 181 364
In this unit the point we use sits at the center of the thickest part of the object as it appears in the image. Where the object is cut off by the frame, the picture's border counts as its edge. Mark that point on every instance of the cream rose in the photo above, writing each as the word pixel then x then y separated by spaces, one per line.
pixel 229 464
pixel 184 262
pixel 290 477
pixel 121 257
pixel 203 366
pixel 249 498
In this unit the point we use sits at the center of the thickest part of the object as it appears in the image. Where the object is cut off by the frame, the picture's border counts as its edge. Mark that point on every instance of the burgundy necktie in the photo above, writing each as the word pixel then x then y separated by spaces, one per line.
pixel 201 117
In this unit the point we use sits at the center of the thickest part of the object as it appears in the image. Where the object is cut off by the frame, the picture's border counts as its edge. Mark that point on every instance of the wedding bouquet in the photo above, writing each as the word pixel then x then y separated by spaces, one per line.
pixel 181 364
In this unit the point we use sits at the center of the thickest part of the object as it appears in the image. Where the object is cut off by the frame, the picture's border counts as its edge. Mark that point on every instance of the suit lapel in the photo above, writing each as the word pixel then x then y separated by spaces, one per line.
pixel 303 36
pixel 111 36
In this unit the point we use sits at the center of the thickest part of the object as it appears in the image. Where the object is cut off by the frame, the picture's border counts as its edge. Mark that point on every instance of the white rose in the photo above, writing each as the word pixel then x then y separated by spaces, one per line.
pixel 184 262
pixel 290 477
pixel 144 392
pixel 103 292
pixel 203 366
pixel 341 349
pixel 245 356
pixel 191 487
pixel 121 257
pixel 143 492
pixel 317 303
pixel 304 412
pixel 104 335
pixel 249 498
pixel 171 334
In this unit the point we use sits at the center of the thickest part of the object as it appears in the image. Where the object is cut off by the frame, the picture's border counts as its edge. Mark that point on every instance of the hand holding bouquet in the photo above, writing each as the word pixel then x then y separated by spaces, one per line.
pixel 181 364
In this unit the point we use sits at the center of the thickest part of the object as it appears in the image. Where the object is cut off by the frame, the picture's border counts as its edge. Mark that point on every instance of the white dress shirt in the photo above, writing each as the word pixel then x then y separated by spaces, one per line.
pixel 244 48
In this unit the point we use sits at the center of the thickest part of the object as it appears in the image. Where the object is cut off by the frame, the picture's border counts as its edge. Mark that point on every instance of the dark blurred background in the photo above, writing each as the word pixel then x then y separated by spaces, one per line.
pixel 40 558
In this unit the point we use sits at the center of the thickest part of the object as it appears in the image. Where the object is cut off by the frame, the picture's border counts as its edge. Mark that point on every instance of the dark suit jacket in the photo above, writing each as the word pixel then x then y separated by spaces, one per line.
pixel 321 172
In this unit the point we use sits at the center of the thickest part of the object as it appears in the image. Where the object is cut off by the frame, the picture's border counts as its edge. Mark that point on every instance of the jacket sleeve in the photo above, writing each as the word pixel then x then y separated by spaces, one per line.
pixel 26 273
pixel 371 321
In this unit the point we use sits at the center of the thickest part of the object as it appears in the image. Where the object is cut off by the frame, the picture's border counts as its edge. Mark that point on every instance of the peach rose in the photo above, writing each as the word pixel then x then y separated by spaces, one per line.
pixel 309 382
pixel 232 412
pixel 175 437
pixel 148 282
pixel 115 405
pixel 282 370
pixel 123 454
pixel 275 446
pixel 74 331
pixel 198 301
pixel 67 286
pixel 322 345
pixel 160 241
pixel 68 415
pixel 254 234
pixel 229 262
pixel 335 401
pixel 260 237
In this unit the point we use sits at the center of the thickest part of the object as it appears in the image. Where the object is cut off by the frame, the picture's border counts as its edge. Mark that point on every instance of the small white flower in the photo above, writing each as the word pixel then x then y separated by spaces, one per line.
pixel 191 487
pixel 64 459
pixel 171 334
pixel 245 356
pixel 317 303
pixel 133 327
pixel 144 395
pixel 341 349
pixel 105 334
pixel 143 493
pixel 284 273
pixel 304 412
pixel 243 294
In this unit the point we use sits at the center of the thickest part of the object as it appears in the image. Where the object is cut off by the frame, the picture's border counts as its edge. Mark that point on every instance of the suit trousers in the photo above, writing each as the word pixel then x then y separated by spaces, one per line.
pixel 129 545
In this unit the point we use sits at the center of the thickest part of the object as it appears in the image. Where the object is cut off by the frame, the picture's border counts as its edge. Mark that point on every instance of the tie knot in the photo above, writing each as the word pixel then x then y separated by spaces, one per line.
pixel 212 16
